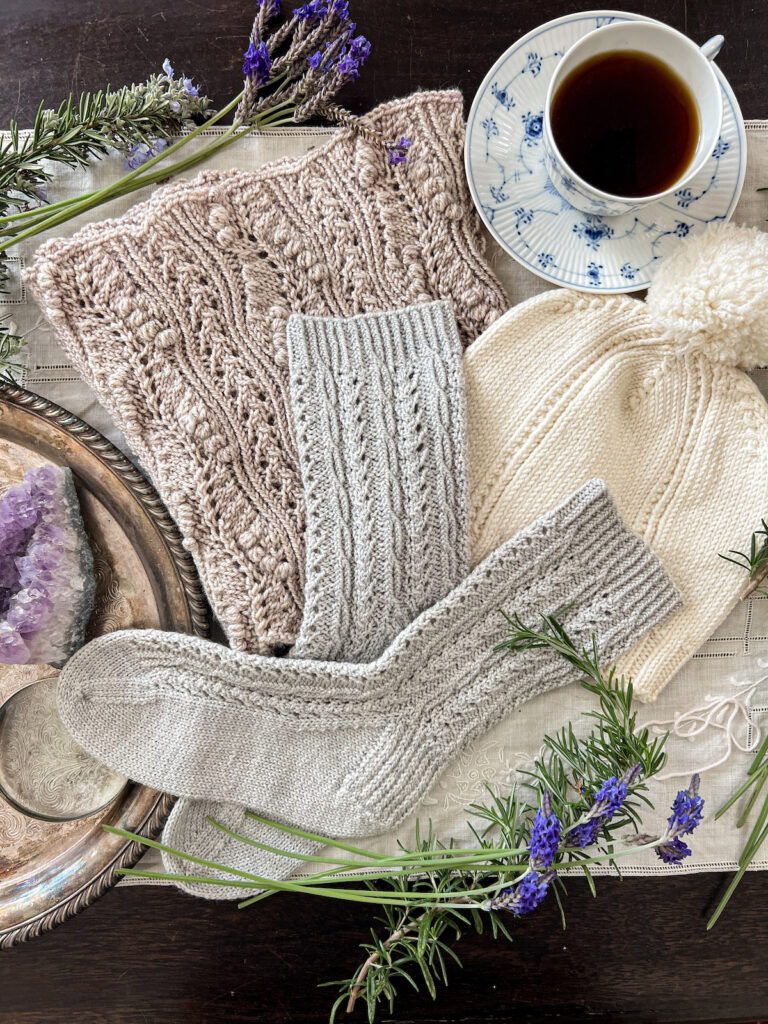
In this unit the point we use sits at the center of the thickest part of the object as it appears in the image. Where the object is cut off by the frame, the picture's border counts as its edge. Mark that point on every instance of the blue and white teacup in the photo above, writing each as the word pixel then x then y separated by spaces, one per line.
pixel 692 64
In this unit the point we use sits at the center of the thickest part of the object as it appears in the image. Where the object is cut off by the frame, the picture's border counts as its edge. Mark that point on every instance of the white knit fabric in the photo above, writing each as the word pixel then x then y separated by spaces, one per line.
pixel 345 749
pixel 568 386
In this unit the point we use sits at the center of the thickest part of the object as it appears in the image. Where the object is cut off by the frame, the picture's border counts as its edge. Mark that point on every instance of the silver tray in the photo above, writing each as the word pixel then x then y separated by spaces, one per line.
pixel 52 870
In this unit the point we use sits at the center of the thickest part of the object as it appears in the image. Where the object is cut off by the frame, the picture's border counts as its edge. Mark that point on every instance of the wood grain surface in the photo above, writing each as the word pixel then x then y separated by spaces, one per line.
pixel 639 952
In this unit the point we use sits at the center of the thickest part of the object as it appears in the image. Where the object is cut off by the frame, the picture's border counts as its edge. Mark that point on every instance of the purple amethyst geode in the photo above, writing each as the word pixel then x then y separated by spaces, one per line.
pixel 46 570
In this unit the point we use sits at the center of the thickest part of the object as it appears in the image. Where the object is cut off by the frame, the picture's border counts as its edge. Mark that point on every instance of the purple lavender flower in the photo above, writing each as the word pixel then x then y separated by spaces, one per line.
pixel 348 67
pixel 314 60
pixel 583 835
pixel 312 11
pixel 273 8
pixel 257 63
pixel 686 815
pixel 140 152
pixel 673 851
pixel 609 798
pixel 167 69
pixel 686 810
pixel 359 49
pixel 545 836
pixel 398 153
pixel 190 88
pixel 523 897
pixel 341 9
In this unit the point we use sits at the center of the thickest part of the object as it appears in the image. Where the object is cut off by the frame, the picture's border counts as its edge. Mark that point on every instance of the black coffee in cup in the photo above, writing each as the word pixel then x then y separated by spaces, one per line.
pixel 626 122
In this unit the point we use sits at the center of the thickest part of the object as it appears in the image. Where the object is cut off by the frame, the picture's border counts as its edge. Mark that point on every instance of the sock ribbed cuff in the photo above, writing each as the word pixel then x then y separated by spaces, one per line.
pixel 347 749
pixel 378 404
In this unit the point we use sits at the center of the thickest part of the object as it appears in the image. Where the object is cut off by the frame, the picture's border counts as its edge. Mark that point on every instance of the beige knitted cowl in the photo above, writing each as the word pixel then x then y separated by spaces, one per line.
pixel 176 314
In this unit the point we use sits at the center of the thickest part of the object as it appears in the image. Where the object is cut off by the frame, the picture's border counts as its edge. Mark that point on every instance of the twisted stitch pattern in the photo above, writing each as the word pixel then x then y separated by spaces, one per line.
pixel 176 316
pixel 348 749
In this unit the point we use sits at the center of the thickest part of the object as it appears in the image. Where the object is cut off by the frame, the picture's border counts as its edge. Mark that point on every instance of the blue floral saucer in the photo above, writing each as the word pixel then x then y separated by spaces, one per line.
pixel 504 160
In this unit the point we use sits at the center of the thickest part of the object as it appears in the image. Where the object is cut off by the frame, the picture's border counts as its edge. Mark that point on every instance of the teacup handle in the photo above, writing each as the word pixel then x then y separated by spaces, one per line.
pixel 712 47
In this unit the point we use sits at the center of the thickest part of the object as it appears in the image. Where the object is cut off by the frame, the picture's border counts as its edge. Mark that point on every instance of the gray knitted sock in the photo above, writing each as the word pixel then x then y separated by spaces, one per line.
pixel 344 749
pixel 378 405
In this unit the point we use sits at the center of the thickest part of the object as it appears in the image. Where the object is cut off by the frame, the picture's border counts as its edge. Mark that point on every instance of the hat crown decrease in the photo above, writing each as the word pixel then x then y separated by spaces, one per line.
pixel 711 296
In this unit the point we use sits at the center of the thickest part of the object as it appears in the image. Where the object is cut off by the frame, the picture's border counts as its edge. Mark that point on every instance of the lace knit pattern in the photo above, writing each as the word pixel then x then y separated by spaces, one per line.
pixel 378 402
pixel 347 749
pixel 176 316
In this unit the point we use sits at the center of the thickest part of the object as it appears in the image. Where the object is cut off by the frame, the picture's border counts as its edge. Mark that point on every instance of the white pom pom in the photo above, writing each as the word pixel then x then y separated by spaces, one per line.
pixel 711 295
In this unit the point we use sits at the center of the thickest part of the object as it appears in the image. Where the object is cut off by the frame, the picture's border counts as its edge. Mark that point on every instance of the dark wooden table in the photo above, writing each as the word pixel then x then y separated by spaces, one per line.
pixel 145 955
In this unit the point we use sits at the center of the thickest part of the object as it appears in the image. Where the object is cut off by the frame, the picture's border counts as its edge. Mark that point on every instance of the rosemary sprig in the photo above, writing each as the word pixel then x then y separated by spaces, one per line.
pixel 291 74
pixel 566 813
pixel 90 126
pixel 10 346
pixel 755 562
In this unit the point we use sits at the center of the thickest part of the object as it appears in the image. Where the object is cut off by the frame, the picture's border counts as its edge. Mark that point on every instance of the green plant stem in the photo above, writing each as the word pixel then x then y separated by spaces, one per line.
pixel 132 183
pixel 756 779
pixel 103 195
pixel 316 884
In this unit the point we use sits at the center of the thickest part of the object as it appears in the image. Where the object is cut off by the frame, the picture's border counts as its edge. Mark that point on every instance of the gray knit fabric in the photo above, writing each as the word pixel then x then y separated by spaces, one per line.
pixel 346 749
pixel 378 407
pixel 378 403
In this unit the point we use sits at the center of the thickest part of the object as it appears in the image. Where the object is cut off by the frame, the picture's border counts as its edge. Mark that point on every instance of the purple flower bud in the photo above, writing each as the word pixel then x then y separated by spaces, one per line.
pixel 687 810
pixel 359 49
pixel 673 851
pixel 523 897
pixel 398 154
pixel 312 11
pixel 631 775
pixel 167 69
pixel 257 63
pixel 348 67
pixel 314 60
pixel 583 835
pixel 140 152
pixel 341 9
pixel 190 88
pixel 545 838
pixel 609 798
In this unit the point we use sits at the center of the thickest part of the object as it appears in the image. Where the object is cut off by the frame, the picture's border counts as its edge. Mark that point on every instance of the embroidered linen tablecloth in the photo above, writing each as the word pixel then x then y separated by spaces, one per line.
pixel 716 706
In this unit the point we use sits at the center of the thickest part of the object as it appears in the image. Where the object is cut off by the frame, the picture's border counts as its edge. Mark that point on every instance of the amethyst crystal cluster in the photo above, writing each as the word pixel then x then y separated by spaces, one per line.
pixel 46 570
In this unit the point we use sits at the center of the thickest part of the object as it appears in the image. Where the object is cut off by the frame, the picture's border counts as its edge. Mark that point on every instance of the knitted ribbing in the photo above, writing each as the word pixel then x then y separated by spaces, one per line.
pixel 378 402
pixel 176 316
pixel 348 749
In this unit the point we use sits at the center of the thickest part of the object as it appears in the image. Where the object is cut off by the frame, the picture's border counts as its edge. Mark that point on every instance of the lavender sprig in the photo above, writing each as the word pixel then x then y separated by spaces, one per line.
pixel 91 126
pixel 281 85
pixel 591 787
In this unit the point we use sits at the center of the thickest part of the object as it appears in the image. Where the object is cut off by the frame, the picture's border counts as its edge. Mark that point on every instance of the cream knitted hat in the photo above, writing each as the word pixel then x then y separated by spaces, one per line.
pixel 651 397
pixel 176 316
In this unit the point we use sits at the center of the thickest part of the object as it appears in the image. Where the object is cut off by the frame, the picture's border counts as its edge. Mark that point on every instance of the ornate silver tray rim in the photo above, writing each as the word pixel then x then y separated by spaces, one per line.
pixel 195 614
